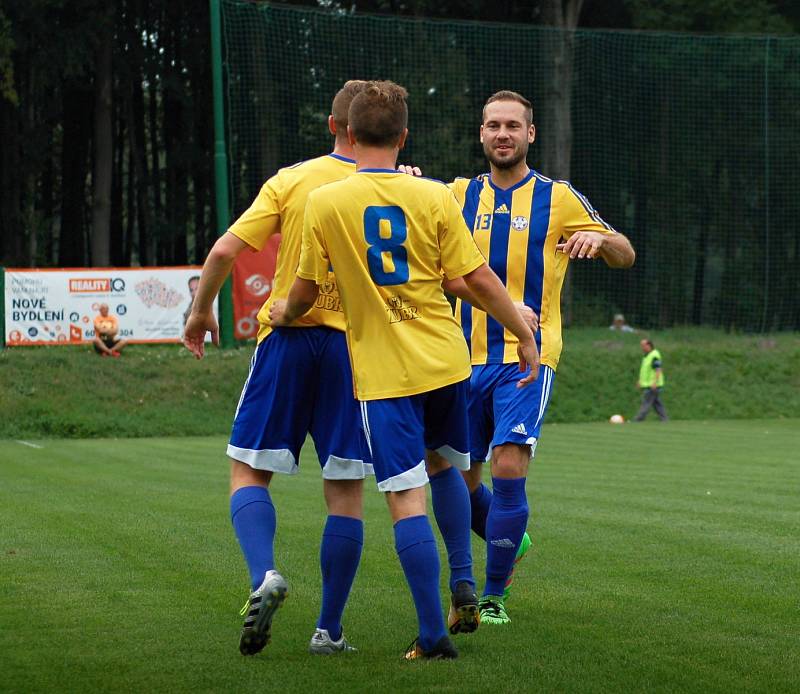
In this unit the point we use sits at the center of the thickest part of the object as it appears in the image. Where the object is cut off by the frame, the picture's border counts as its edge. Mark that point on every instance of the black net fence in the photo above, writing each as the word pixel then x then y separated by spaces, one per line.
pixel 688 144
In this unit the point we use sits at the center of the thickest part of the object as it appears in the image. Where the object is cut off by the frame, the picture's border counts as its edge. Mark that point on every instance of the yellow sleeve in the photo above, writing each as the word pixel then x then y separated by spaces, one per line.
pixel 577 214
pixel 263 218
pixel 459 254
pixel 314 263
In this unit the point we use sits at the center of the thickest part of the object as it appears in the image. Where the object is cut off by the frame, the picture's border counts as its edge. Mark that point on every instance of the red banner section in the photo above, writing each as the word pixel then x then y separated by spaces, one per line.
pixel 252 284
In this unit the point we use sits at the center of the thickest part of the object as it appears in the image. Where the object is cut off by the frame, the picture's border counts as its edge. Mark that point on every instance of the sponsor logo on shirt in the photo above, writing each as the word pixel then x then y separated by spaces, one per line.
pixel 328 297
pixel 399 310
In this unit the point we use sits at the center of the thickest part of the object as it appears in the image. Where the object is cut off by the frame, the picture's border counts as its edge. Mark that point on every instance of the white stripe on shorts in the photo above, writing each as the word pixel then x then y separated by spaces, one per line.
pixel 365 421
pixel 337 468
pixel 410 479
pixel 545 395
pixel 456 458
pixel 246 382
pixel 274 460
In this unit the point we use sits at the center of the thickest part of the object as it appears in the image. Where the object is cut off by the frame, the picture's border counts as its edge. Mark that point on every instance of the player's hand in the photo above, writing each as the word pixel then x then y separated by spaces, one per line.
pixel 277 313
pixel 194 332
pixel 528 315
pixel 583 244
pixel 410 170
pixel 528 358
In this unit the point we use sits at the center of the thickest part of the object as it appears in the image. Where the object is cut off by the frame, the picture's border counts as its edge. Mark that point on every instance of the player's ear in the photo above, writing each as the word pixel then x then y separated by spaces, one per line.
pixel 350 137
pixel 531 133
pixel 402 141
pixel 481 133
pixel 332 126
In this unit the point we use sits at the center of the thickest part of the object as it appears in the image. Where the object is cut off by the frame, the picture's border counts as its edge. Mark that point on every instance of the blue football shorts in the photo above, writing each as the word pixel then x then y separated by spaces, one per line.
pixel 499 412
pixel 300 383
pixel 398 430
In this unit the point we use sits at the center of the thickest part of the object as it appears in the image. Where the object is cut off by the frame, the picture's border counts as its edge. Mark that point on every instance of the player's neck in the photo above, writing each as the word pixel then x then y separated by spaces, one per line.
pixel 375 157
pixel 505 178
pixel 343 149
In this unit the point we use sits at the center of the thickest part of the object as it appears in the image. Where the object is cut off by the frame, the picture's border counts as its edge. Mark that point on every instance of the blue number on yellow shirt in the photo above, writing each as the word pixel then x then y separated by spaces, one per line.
pixel 482 222
pixel 392 245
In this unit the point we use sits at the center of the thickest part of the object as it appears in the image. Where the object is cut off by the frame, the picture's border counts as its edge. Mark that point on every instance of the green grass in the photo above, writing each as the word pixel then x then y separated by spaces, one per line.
pixel 149 391
pixel 665 559
pixel 163 391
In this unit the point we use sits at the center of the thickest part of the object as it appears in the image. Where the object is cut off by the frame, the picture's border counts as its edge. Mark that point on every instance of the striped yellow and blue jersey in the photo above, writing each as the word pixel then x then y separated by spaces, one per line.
pixel 517 229
pixel 279 209
pixel 390 238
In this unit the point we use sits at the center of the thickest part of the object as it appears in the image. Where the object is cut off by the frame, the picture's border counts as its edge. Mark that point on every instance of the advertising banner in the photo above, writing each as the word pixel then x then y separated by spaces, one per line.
pixel 252 284
pixel 59 306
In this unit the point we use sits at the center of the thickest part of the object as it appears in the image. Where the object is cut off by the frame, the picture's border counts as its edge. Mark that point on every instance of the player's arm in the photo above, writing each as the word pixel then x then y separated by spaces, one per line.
pixel 587 235
pixel 252 230
pixel 615 249
pixel 484 284
pixel 301 298
pixel 458 287
pixel 215 270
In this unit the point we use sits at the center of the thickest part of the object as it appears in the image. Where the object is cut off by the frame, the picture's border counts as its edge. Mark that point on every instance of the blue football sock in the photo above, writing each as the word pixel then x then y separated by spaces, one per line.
pixel 416 547
pixel 339 555
pixel 452 510
pixel 505 526
pixel 480 501
pixel 253 518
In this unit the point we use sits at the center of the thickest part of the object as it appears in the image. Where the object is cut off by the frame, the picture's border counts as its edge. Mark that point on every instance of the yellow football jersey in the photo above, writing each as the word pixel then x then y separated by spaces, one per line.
pixel 390 238
pixel 279 209
pixel 517 229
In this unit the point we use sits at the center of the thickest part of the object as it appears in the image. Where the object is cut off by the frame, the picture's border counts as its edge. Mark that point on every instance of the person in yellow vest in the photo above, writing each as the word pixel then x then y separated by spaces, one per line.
pixel 651 380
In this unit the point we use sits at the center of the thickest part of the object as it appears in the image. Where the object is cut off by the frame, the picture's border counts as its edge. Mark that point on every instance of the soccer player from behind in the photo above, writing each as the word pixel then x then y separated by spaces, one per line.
pixel 390 238
pixel 300 382
pixel 528 227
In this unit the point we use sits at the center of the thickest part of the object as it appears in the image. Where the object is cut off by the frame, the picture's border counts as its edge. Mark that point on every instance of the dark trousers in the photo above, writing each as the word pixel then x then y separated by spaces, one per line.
pixel 651 399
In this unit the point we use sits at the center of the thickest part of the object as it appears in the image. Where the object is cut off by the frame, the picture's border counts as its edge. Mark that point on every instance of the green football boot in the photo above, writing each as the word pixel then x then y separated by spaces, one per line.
pixel 524 547
pixel 492 610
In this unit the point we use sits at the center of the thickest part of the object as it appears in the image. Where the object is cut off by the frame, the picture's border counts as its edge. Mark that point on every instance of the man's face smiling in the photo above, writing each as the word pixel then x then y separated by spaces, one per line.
pixel 506 134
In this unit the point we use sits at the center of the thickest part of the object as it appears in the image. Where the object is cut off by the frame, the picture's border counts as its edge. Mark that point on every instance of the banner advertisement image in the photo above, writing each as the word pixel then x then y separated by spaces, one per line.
pixel 59 306
pixel 252 284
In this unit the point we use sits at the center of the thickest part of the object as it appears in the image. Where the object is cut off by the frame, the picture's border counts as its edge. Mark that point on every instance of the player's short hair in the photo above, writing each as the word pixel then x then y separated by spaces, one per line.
pixel 649 343
pixel 379 113
pixel 508 95
pixel 341 103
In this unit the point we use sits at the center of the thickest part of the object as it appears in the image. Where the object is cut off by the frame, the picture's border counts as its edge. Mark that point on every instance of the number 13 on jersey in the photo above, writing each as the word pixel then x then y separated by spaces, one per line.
pixel 387 258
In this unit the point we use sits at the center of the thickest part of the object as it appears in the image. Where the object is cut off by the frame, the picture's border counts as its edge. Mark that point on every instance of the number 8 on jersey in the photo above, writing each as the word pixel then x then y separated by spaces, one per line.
pixel 386 251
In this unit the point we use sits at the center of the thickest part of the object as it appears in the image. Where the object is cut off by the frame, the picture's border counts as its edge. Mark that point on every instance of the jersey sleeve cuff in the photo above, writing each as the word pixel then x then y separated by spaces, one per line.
pixel 311 277
pixel 255 244
pixel 465 270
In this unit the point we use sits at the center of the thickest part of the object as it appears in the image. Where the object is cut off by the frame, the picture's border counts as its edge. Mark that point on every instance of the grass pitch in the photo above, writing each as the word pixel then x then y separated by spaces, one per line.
pixel 665 559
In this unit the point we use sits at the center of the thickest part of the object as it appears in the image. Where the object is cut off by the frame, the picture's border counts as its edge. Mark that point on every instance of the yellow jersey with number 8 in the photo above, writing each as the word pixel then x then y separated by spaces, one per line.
pixel 391 238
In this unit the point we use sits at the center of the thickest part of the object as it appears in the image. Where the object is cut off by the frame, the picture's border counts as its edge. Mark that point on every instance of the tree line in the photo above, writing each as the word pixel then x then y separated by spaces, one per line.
pixel 107 154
